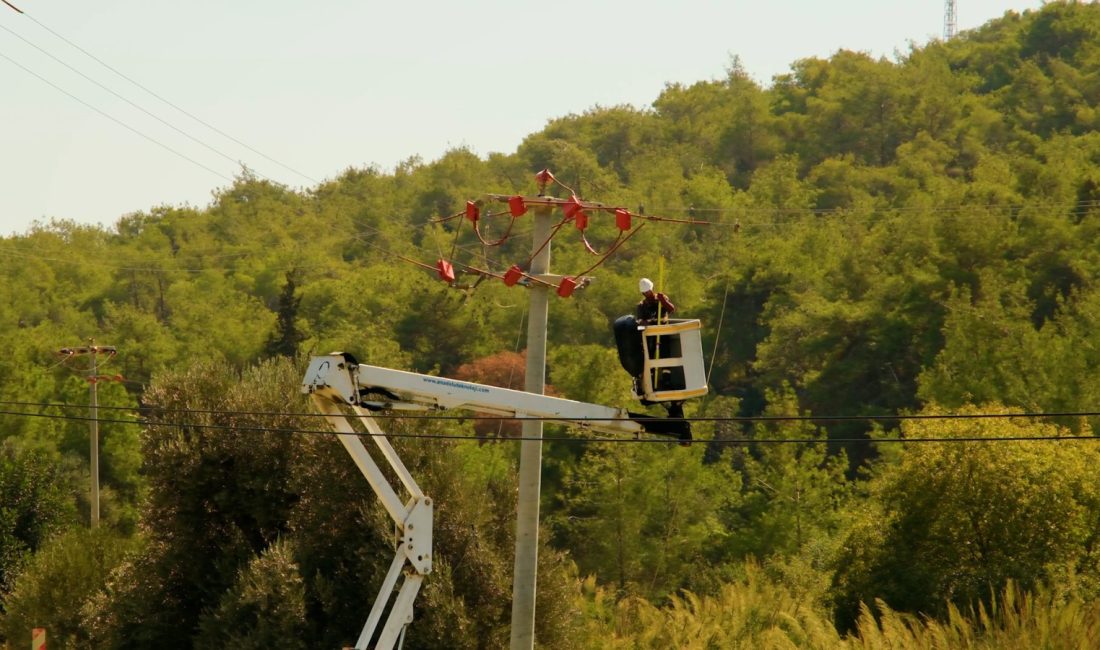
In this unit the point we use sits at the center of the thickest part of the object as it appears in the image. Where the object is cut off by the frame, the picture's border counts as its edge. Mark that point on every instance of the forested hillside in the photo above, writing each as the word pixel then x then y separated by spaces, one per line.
pixel 864 240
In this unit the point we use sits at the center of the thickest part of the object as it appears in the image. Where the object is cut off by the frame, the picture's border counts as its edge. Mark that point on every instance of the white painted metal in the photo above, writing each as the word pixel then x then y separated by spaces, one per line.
pixel 350 439
pixel 689 358
pixel 388 451
pixel 413 519
pixel 330 376
pixel 336 380
pixel 401 614
pixel 384 593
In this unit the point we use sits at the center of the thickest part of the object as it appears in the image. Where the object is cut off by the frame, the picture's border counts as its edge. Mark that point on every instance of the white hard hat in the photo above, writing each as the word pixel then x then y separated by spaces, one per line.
pixel 645 284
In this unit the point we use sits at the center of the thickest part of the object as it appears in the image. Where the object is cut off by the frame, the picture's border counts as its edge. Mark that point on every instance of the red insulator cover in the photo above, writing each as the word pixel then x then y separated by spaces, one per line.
pixel 472 211
pixel 517 206
pixel 512 275
pixel 565 289
pixel 622 219
pixel 445 270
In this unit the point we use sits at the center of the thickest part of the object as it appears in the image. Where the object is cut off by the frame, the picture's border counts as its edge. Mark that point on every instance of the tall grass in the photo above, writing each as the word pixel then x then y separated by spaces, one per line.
pixel 758 613
pixel 1017 619
pixel 754 612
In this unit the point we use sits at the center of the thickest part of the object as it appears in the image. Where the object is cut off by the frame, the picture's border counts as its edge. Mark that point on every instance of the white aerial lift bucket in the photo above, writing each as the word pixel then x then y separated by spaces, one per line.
pixel 672 361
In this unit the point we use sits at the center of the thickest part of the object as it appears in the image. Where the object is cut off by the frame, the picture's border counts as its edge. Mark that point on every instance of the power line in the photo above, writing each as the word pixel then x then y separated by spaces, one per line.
pixel 131 103
pixel 115 119
pixel 570 439
pixel 1077 208
pixel 730 418
pixel 361 237
pixel 117 267
pixel 147 90
pixel 189 269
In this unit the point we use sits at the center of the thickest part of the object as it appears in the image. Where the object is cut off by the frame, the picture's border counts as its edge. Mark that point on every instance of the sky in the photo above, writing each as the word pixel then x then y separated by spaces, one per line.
pixel 299 92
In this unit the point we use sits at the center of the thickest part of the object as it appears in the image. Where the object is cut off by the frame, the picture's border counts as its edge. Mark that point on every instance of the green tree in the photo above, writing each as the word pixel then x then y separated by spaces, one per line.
pixel 37 501
pixel 345 540
pixel 630 514
pixel 219 495
pixel 285 339
pixel 954 521
pixel 57 583
pixel 265 607
pixel 794 494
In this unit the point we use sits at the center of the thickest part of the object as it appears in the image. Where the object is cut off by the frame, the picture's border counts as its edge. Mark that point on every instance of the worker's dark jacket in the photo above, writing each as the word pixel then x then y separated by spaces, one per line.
pixel 646 311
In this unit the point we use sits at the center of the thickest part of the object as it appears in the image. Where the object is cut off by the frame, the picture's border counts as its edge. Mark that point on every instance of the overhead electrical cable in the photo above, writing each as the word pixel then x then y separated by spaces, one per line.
pixel 135 105
pixel 568 439
pixel 622 239
pixel 357 236
pixel 702 418
pixel 169 103
pixel 12 251
pixel 122 267
pixel 721 318
pixel 116 120
pixel 1079 208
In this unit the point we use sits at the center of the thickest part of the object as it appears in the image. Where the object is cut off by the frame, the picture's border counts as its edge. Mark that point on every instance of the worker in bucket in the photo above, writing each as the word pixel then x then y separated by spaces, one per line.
pixel 654 305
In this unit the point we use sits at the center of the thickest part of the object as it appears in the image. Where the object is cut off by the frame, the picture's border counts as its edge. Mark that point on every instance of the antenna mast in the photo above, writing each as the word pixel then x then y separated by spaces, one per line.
pixel 950 20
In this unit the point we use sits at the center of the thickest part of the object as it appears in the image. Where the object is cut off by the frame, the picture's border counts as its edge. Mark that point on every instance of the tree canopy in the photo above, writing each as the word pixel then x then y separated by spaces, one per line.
pixel 879 249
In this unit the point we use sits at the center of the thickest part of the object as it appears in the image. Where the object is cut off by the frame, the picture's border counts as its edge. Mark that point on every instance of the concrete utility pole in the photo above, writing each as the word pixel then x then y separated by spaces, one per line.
pixel 530 458
pixel 93 456
pixel 93 380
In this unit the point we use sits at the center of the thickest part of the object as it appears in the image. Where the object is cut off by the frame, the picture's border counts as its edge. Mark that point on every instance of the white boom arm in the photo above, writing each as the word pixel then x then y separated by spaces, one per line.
pixel 337 379
pixel 413 519
pixel 341 379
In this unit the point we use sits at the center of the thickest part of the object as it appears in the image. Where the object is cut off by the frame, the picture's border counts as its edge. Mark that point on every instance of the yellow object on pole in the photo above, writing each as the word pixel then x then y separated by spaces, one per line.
pixel 660 282
pixel 660 285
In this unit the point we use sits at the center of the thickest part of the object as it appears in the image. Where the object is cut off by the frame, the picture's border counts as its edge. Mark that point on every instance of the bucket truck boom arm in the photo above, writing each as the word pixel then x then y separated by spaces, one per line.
pixel 337 381
pixel 340 378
